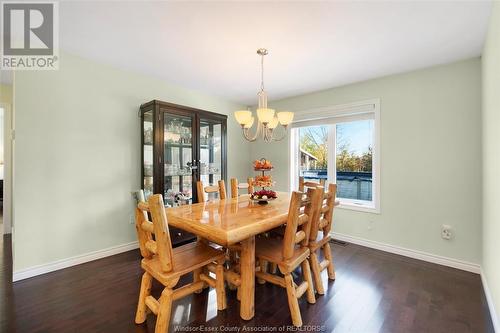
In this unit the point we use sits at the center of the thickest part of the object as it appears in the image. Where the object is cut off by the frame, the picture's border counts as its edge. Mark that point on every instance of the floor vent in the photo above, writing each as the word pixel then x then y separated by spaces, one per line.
pixel 338 242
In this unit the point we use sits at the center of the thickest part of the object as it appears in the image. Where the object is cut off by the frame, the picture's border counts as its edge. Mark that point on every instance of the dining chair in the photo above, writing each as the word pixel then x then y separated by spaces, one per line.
pixel 280 231
pixel 235 187
pixel 167 265
pixel 233 251
pixel 291 252
pixel 319 238
pixel 220 188
pixel 304 185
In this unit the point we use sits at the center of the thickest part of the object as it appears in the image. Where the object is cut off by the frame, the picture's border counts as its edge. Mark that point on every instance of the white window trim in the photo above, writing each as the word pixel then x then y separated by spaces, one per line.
pixel 350 110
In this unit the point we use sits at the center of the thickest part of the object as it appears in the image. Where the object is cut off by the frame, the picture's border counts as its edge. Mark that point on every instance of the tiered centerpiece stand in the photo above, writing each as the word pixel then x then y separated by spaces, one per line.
pixel 265 194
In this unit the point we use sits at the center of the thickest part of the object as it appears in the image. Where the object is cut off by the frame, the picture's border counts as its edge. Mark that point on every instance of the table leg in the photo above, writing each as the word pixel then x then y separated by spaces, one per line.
pixel 247 262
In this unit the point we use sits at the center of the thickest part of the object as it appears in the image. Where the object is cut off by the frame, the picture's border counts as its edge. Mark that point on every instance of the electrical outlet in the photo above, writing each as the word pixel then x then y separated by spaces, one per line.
pixel 131 219
pixel 446 232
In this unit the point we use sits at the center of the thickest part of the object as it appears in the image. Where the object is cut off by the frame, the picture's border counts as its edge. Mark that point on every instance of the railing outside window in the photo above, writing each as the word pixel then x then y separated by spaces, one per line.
pixel 350 184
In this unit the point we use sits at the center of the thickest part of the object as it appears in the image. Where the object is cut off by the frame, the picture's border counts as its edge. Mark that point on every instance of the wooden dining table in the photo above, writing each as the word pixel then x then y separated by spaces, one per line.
pixel 234 221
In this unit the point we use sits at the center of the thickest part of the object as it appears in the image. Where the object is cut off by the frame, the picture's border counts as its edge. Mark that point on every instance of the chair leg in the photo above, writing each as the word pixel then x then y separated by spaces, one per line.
pixel 196 278
pixel 328 255
pixel 263 269
pixel 219 286
pixel 293 303
pixel 232 258
pixel 306 273
pixel 163 319
pixel 316 270
pixel 140 315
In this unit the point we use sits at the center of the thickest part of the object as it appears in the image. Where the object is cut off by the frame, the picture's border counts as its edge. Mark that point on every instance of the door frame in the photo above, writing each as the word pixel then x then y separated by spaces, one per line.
pixel 8 151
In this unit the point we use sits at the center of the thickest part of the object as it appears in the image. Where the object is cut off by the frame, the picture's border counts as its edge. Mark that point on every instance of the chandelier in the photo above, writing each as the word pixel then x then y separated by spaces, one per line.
pixel 267 119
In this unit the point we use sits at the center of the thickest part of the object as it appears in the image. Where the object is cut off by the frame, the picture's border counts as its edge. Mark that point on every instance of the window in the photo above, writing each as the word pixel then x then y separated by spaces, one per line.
pixel 339 145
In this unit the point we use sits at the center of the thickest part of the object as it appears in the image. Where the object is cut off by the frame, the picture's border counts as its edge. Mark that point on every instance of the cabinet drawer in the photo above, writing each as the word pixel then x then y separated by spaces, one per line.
pixel 180 237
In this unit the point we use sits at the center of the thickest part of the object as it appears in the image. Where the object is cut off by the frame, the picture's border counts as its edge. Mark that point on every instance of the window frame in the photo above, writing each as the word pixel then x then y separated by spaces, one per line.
pixel 333 115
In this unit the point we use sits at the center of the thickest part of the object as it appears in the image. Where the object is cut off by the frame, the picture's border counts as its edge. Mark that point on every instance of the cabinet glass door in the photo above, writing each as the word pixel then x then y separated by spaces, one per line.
pixel 210 153
pixel 148 153
pixel 177 156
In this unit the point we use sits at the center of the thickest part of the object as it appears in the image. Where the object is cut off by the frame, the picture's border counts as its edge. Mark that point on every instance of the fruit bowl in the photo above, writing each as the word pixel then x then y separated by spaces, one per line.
pixel 263 197
pixel 263 201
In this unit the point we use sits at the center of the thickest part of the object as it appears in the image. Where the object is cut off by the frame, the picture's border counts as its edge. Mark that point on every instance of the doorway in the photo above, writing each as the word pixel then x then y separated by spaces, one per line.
pixel 5 170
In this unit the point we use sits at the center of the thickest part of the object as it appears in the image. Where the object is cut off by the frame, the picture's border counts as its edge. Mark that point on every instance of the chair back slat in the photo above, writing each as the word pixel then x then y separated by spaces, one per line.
pixel 220 188
pixel 330 203
pixel 250 185
pixel 303 218
pixel 143 235
pixel 300 236
pixel 297 226
pixel 148 227
pixel 235 187
pixel 161 244
pixel 323 217
pixel 142 205
pixel 162 235
pixel 211 189
pixel 303 185
pixel 151 246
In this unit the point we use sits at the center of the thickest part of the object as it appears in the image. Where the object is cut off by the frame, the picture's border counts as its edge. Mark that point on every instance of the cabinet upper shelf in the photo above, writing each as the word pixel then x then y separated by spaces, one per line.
pixel 183 145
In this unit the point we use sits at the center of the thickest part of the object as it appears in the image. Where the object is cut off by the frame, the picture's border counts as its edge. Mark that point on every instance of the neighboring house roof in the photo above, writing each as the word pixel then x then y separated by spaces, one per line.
pixel 308 154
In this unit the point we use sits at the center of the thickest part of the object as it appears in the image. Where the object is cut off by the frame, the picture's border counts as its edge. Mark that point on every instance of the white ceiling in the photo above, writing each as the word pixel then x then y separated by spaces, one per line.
pixel 210 46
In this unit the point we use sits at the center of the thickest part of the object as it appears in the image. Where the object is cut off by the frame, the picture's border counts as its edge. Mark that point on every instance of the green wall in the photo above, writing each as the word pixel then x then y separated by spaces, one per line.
pixel 78 156
pixel 491 158
pixel 430 158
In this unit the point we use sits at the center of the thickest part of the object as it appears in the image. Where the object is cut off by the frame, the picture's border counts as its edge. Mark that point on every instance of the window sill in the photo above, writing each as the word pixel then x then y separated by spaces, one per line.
pixel 366 208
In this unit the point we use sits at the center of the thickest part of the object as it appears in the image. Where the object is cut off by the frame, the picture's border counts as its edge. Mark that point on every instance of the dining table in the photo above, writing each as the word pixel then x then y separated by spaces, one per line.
pixel 230 222
pixel 234 221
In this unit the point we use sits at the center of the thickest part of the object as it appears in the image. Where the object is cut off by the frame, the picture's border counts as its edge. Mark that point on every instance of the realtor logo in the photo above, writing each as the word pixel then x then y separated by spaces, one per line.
pixel 29 35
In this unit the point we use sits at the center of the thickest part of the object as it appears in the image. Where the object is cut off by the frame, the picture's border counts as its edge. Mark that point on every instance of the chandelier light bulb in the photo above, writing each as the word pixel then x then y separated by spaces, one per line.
pixel 285 118
pixel 265 115
pixel 249 124
pixel 243 116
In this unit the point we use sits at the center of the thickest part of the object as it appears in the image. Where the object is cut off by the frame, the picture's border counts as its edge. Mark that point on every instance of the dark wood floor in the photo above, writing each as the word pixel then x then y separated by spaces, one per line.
pixel 374 292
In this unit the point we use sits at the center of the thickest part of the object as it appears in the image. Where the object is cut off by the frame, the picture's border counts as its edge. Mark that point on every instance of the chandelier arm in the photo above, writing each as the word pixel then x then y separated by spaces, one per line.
pixel 246 136
pixel 246 133
pixel 284 135
pixel 269 135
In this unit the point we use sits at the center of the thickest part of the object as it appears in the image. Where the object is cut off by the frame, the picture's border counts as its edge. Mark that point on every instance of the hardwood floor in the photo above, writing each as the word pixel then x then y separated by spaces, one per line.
pixel 374 292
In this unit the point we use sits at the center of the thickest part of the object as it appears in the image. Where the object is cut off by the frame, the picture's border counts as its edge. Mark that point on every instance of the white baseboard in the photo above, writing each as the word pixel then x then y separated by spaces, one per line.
pixel 72 261
pixel 489 300
pixel 450 262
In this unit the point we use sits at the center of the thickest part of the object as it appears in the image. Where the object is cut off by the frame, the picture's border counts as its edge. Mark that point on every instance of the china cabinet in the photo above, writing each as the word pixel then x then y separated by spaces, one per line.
pixel 179 146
